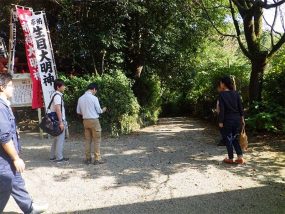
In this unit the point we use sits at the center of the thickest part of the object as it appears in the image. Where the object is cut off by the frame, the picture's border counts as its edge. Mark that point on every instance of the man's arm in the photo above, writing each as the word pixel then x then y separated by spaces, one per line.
pixel 221 113
pixel 240 107
pixel 12 152
pixel 78 109
pixel 98 107
pixel 59 116
pixel 58 108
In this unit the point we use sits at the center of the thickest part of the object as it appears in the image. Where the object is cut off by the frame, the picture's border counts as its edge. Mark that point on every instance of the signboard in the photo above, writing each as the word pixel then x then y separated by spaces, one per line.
pixel 40 58
pixel 22 90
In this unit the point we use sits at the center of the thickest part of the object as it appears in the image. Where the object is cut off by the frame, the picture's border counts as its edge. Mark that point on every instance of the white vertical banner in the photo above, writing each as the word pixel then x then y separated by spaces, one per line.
pixel 44 54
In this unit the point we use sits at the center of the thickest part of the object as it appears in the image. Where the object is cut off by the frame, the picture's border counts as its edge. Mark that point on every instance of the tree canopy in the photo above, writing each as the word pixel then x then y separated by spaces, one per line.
pixel 171 51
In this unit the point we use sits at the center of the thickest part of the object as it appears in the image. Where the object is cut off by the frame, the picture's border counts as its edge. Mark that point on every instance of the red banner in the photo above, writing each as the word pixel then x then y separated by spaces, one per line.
pixel 24 15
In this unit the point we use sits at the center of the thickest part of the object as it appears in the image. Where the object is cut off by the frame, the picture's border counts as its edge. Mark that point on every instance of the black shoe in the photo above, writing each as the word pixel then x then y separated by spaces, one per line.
pixel 97 162
pixel 62 160
pixel 52 159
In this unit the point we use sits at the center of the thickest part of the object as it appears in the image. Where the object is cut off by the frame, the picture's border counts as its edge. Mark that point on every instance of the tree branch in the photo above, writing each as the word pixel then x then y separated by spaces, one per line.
pixel 241 45
pixel 268 6
pixel 282 18
pixel 271 31
pixel 212 23
pixel 257 14
pixel 249 3
pixel 240 7
pixel 271 27
pixel 277 46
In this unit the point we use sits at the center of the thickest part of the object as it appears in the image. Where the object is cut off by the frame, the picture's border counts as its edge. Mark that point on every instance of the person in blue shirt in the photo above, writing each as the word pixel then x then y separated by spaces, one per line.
pixel 11 164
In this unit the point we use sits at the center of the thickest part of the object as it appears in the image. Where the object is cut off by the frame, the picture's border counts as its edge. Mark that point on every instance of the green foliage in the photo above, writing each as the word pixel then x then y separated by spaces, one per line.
pixel 274 81
pixel 181 58
pixel 267 116
pixel 216 58
pixel 148 91
pixel 115 93
pixel 274 89
pixel 204 93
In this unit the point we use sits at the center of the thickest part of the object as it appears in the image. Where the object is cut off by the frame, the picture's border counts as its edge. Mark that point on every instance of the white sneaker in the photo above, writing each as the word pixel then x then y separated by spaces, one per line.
pixel 39 208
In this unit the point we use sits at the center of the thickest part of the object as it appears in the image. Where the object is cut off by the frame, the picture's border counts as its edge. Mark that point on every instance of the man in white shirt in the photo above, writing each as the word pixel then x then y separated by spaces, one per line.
pixel 56 153
pixel 89 107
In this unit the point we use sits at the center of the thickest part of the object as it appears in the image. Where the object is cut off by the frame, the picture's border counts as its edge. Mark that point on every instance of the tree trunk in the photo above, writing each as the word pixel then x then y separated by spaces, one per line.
pixel 103 60
pixel 137 66
pixel 258 66
pixel 94 65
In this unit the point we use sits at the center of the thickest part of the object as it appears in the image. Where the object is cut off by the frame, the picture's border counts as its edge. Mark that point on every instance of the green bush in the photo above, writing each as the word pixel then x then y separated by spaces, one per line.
pixel 148 91
pixel 273 87
pixel 267 116
pixel 114 92
pixel 203 95
pixel 174 103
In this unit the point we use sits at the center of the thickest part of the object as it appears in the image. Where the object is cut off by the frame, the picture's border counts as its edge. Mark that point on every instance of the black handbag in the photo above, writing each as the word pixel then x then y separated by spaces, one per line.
pixel 50 123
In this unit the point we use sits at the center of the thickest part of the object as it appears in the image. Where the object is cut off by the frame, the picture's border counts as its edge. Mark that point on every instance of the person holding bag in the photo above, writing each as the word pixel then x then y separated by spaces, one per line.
pixel 57 106
pixel 231 118
pixel 50 123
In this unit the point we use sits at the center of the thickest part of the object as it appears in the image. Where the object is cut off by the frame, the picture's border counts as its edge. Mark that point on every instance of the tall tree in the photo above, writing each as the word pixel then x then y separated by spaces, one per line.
pixel 248 18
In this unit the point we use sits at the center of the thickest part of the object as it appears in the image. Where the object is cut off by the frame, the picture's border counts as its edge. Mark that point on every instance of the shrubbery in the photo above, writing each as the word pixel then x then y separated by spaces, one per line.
pixel 131 105
pixel 203 95
pixel 269 115
pixel 114 92
pixel 148 91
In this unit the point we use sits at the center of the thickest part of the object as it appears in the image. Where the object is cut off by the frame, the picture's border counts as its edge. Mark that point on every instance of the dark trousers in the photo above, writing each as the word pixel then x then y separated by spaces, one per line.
pixel 230 134
pixel 223 140
pixel 12 184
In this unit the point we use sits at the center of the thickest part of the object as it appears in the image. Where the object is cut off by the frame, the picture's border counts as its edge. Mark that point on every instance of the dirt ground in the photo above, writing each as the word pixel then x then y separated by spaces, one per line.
pixel 172 167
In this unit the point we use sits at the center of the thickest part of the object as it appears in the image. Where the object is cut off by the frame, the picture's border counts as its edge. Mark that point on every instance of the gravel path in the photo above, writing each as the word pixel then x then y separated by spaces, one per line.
pixel 173 167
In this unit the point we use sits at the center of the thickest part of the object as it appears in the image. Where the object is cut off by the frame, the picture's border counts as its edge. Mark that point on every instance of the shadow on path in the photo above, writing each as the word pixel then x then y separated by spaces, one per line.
pixel 250 201
pixel 173 146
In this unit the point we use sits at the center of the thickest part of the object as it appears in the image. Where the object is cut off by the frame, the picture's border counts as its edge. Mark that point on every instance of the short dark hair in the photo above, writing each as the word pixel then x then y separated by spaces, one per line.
pixel 5 78
pixel 58 83
pixel 228 82
pixel 92 86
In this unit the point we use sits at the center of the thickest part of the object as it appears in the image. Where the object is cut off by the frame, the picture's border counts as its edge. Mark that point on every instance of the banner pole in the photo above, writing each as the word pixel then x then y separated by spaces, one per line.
pixel 12 41
pixel 40 120
pixel 3 46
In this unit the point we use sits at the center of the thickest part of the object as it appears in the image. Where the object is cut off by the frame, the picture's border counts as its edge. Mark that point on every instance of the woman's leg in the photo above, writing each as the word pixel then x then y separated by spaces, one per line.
pixel 236 131
pixel 227 135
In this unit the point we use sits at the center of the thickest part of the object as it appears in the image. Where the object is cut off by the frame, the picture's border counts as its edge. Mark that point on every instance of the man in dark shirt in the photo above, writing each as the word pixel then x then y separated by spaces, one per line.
pixel 11 165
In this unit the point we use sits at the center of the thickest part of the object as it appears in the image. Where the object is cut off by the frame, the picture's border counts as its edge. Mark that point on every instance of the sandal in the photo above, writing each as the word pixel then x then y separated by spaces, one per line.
pixel 229 161
pixel 240 161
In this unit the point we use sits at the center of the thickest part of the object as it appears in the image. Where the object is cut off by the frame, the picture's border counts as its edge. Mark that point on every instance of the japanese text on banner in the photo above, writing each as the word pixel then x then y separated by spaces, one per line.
pixel 24 16
pixel 42 46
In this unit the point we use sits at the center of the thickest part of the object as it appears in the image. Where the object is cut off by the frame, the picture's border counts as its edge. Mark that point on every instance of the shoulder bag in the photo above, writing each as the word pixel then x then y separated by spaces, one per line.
pixel 50 123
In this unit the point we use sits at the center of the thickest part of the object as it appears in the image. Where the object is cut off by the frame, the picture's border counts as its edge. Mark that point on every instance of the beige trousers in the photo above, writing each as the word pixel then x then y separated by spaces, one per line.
pixel 92 131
